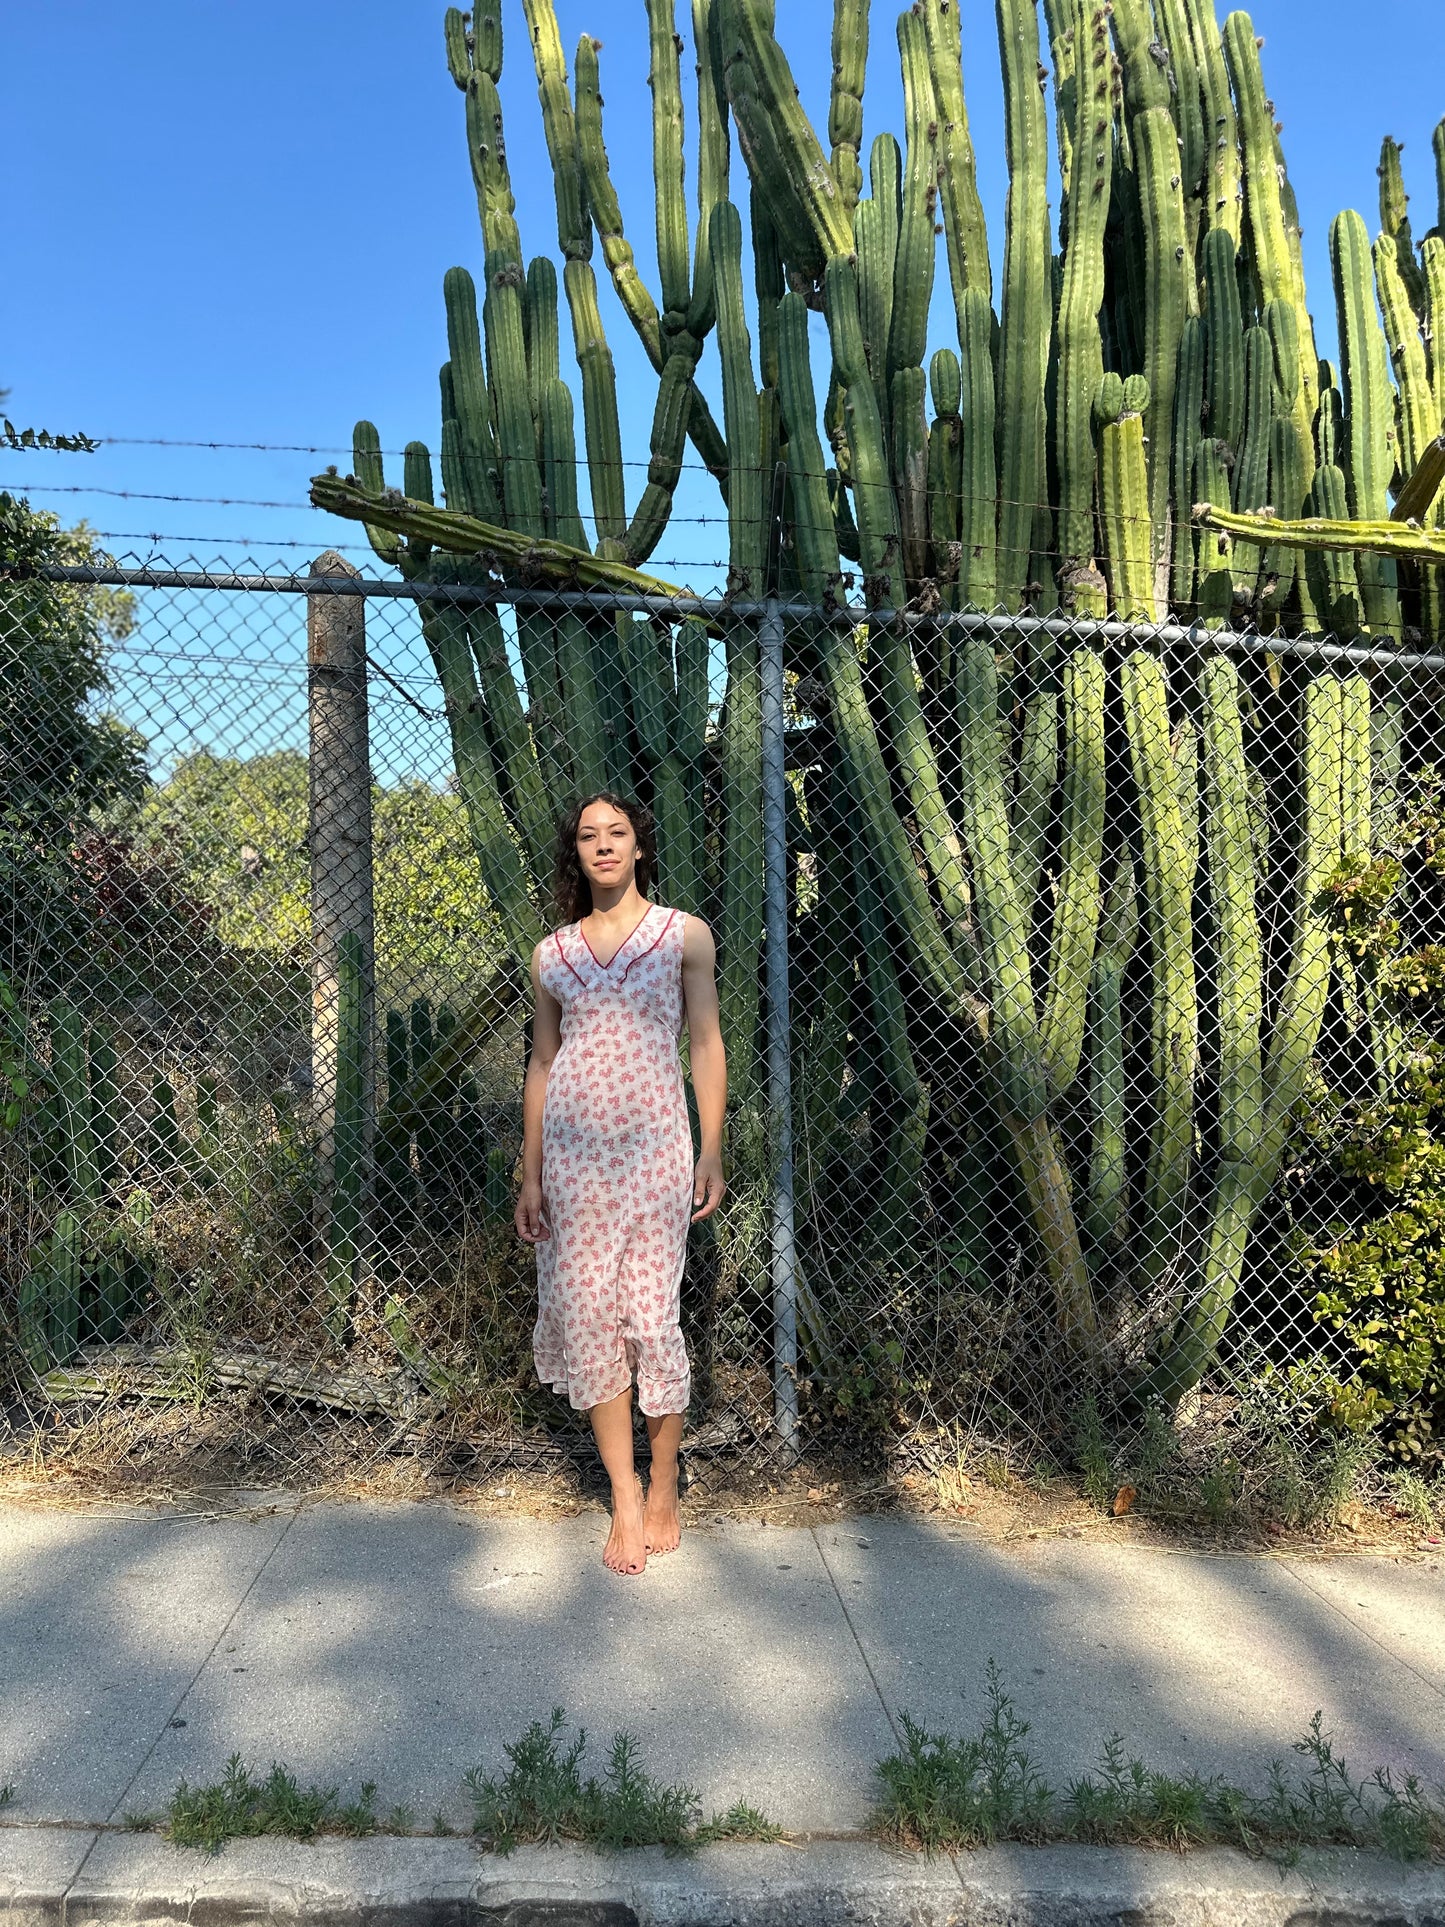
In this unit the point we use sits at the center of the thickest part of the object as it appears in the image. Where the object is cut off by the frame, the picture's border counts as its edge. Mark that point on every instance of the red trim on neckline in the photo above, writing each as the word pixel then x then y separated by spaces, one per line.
pixel 652 946
pixel 557 939
pixel 622 946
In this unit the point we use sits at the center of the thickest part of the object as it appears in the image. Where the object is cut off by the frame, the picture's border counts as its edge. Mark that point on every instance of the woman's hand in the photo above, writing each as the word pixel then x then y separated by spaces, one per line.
pixel 529 1216
pixel 708 1185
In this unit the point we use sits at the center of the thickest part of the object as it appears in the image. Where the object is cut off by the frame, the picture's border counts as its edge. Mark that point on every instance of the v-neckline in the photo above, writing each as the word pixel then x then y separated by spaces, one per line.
pixel 581 925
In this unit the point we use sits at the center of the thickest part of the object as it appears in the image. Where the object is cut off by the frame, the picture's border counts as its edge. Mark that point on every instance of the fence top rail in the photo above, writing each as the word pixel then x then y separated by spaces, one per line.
pixel 1173 636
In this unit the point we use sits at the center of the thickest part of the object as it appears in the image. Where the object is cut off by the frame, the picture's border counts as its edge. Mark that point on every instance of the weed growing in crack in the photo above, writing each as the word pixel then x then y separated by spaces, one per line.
pixel 939 1792
pixel 239 1806
pixel 543 1796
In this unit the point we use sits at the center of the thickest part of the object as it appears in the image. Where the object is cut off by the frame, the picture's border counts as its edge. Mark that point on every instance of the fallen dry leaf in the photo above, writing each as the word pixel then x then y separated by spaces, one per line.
pixel 1124 1499
pixel 815 1496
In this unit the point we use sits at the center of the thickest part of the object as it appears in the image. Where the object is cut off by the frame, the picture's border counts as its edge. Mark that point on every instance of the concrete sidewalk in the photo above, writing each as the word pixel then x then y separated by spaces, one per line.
pixel 405 1644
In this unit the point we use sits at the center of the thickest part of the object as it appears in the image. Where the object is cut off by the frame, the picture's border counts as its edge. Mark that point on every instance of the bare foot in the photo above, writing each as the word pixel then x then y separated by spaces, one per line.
pixel 626 1548
pixel 661 1522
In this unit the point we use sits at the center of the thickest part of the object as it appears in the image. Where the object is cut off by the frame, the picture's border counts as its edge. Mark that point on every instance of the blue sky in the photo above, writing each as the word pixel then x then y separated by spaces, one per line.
pixel 235 223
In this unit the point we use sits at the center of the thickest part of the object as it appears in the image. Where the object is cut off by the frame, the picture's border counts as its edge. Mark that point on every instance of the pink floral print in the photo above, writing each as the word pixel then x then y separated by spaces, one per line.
pixel 617 1170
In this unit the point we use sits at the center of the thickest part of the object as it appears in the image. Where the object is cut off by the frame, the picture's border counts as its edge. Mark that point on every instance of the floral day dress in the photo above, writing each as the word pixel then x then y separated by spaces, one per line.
pixel 617 1169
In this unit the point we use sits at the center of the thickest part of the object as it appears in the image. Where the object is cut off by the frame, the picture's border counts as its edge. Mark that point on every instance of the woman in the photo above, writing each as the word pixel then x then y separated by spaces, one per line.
pixel 609 1185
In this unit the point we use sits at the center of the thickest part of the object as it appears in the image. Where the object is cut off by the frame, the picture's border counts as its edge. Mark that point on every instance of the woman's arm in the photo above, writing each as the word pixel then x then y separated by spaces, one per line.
pixel 709 1062
pixel 529 1217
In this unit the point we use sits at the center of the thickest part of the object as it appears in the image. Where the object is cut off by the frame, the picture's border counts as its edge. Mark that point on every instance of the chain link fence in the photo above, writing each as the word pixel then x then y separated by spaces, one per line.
pixel 1080 983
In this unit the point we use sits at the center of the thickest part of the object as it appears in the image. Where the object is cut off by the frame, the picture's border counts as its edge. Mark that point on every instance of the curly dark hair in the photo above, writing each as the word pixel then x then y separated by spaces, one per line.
pixel 571 891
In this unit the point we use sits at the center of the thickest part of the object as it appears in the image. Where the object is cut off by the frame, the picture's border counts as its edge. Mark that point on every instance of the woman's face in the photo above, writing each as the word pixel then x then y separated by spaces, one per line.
pixel 606 846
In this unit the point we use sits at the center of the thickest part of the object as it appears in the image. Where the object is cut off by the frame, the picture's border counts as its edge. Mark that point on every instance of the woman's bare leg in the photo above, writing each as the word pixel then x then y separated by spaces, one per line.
pixel 626 1549
pixel 661 1520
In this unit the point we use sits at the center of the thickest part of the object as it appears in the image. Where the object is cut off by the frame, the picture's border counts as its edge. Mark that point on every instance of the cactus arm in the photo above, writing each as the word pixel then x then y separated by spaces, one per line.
pixel 665 80
pixel 1270 210
pixel 1188 408
pixel 602 430
pixel 1250 480
pixel 1146 79
pixel 1395 222
pixel 1014 1053
pixel 917 249
pixel 486 143
pixel 712 156
pixel 1080 345
pixel 444 628
pixel 910 473
pixel 637 303
pixel 740 406
pixel 1187 108
pixel 1369 401
pixel 875 226
pixel 905 892
pixel 845 99
pixel 1031 814
pixel 945 448
pixel 1000 909
pixel 1059 17
pixel 742 739
pixel 512 741
pixel 1432 261
pixel 1321 535
pixel 1213 587
pixel 1245 1181
pixel 804 199
pixel 555 562
pixel 1419 415
pixel 471 401
pixel 539 318
pixel 1224 326
pixel 1081 848
pixel 1103 1214
pixel 574 225
pixel 880 539
pixel 559 466
pixel 1025 329
pixel 1124 501
pixel 1168 297
pixel 978 484
pixel 669 429
pixel 366 458
pixel 507 357
pixel 1168 893
pixel 965 232
pixel 1223 184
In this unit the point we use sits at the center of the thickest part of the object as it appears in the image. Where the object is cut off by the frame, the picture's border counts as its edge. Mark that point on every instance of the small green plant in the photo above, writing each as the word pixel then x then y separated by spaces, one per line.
pixel 944 1793
pixel 544 1797
pixel 742 1821
pixel 7 1794
pixel 240 1806
pixel 1092 1454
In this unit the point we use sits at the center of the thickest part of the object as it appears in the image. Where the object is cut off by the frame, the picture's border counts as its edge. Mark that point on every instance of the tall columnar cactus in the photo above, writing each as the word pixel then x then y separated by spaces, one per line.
pixel 980 848
pixel 1369 410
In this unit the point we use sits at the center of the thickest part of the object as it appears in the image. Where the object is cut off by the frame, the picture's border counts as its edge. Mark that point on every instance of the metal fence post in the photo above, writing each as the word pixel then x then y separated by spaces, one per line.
pixel 339 842
pixel 780 1076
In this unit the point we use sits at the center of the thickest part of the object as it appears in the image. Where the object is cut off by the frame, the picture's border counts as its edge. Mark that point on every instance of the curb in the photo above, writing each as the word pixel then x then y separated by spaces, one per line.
pixel 72 1877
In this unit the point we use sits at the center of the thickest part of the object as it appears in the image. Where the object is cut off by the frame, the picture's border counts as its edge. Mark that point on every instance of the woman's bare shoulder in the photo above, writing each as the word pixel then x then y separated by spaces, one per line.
pixel 698 945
